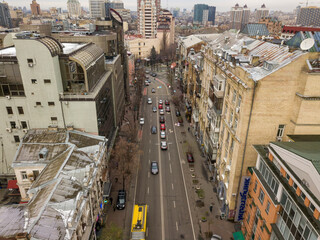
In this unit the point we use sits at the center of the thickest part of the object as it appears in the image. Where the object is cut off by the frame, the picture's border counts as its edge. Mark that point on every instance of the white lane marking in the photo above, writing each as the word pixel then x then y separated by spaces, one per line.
pixel 170 168
pixel 149 150
pixel 150 139
pixel 174 204
pixel 177 226
pixel 149 162
pixel 169 157
pixel 148 174
pixel 172 186
pixel 148 190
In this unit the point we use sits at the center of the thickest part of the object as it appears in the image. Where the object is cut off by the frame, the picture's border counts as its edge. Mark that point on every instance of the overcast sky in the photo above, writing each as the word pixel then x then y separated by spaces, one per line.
pixel 222 5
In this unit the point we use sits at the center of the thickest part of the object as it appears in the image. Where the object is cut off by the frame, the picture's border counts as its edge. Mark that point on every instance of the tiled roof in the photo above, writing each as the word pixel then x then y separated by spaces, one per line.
pixel 300 36
pixel 255 29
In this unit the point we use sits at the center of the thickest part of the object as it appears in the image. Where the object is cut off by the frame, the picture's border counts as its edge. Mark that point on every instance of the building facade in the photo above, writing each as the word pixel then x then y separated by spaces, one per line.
pixel 97 8
pixel 283 197
pixel 261 12
pixel 273 24
pixel 309 16
pixel 74 8
pixel 239 17
pixel 198 12
pixel 35 8
pixel 5 17
pixel 148 12
pixel 117 4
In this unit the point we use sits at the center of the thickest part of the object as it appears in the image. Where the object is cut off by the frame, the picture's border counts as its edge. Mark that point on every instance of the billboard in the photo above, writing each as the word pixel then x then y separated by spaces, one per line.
pixel 242 198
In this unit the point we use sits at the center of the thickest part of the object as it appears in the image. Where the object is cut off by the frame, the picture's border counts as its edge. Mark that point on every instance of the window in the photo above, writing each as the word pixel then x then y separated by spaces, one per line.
pixel 261 196
pixel 287 176
pixel 9 110
pixel 295 186
pixel 235 124
pixel 239 101
pixel 312 207
pixel 38 103
pixel 20 110
pixel 30 60
pixel 280 131
pixel 255 186
pixel 226 110
pixel 231 147
pixel 24 175
pixel 248 218
pixel 35 174
pixel 54 119
pixel 51 103
pixel 234 97
pixel 228 90
pixel 47 81
pixel 16 138
pixel 268 207
pixel 24 124
pixel 13 124
pixel 303 196
pixel 34 81
pixel 231 118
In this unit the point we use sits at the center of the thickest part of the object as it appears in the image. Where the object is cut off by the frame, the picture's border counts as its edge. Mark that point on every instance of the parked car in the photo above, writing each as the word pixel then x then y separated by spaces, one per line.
pixel 154 109
pixel 141 121
pixel 146 83
pixel 147 71
pixel 162 119
pixel 180 119
pixel 167 102
pixel 167 109
pixel 121 202
pixel 162 134
pixel 153 74
pixel 161 112
pixel 160 106
pixel 190 157
pixel 153 129
pixel 216 237
pixel 153 90
pixel 154 168
pixel 149 101
pixel 178 114
pixel 162 127
pixel 149 81
pixel 164 145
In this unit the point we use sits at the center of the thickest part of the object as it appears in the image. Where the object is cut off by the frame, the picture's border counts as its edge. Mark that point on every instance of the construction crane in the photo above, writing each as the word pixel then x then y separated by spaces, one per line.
pixel 307 2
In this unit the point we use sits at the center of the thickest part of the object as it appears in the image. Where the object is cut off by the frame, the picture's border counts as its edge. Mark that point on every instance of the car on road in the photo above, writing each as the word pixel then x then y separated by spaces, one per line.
pixel 153 74
pixel 216 237
pixel 180 119
pixel 178 114
pixel 162 119
pixel 164 145
pixel 149 101
pixel 160 106
pixel 190 157
pixel 147 71
pixel 162 134
pixel 153 129
pixel 167 102
pixel 146 83
pixel 162 127
pixel 154 109
pixel 154 168
pixel 121 202
pixel 141 121
pixel 160 101
pixel 149 81
pixel 161 112
pixel 167 109
pixel 153 90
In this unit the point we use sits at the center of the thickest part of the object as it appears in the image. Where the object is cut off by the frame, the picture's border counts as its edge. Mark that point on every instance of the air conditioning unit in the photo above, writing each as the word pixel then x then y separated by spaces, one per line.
pixel 237 109
pixel 25 130
pixel 9 130
pixel 8 97
pixel 279 139
pixel 30 64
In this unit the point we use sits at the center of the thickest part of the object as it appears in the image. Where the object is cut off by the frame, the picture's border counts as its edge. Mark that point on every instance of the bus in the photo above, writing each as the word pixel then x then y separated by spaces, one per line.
pixel 139 222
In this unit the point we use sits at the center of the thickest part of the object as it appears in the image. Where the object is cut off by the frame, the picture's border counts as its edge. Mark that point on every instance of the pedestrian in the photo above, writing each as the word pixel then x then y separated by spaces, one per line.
pixel 211 207
pixel 114 207
pixel 188 129
pixel 111 199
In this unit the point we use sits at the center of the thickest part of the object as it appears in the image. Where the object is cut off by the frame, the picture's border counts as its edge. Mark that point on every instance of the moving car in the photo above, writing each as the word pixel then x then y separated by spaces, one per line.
pixel 153 74
pixel 141 121
pixel 146 83
pixel 162 119
pixel 160 101
pixel 147 71
pixel 153 90
pixel 178 114
pixel 121 202
pixel 153 129
pixel 190 157
pixel 167 109
pixel 216 237
pixel 160 106
pixel 154 109
pixel 162 127
pixel 154 168
pixel 161 112
pixel 162 134
pixel 164 145
pixel 167 102
pixel 149 101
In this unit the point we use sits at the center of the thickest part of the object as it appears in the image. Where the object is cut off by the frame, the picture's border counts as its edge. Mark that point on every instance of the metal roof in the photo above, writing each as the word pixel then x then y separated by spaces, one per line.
pixel 52 44
pixel 87 55
pixel 300 36
pixel 255 29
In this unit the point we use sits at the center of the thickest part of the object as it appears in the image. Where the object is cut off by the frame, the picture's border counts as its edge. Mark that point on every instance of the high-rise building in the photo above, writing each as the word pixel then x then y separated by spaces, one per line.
pixel 5 18
pixel 117 4
pixel 198 12
pixel 261 12
pixel 308 16
pixel 35 8
pixel 239 17
pixel 212 14
pixel 74 8
pixel 97 8
pixel 148 12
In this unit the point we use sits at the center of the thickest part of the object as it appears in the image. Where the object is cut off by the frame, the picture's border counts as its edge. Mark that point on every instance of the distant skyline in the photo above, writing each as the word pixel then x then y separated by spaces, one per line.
pixel 222 5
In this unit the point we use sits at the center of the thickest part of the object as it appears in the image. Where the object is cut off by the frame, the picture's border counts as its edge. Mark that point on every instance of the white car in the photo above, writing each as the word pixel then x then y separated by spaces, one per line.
pixel 141 121
pixel 164 145
pixel 160 101
pixel 161 112
pixel 162 134
pixel 149 101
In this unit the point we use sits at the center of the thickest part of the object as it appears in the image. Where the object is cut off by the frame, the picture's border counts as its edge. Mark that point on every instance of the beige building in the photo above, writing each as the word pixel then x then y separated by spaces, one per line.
pixel 166 28
pixel 74 8
pixel 42 29
pixel 35 8
pixel 148 12
pixel 141 47
pixel 61 175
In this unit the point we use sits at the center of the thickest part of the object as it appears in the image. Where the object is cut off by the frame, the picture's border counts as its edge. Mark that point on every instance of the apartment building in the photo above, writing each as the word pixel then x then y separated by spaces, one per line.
pixel 60 85
pixel 35 8
pixel 309 16
pixel 74 8
pixel 148 12
pixel 261 12
pixel 273 24
pixel 5 17
pixel 61 175
pixel 239 17
pixel 283 195
pixel 97 8
pixel 166 28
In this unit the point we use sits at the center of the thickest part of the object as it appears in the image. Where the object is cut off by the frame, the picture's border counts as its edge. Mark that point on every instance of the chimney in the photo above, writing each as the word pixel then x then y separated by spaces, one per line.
pixel 254 60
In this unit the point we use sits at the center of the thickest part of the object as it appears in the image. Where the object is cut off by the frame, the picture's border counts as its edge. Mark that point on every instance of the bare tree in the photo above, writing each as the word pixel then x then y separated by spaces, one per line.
pixel 177 100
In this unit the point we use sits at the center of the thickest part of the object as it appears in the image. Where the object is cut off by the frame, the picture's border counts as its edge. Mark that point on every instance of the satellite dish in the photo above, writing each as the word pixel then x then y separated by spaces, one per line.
pixel 307 44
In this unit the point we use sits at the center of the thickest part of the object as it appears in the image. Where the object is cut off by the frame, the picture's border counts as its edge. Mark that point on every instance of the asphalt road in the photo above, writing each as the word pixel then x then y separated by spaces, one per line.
pixel 169 215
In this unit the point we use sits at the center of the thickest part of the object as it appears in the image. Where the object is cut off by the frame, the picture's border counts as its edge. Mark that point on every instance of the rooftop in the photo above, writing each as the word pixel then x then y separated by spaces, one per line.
pixel 71 47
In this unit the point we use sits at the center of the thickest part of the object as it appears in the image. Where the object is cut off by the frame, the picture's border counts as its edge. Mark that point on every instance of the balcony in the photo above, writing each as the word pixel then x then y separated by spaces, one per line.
pixel 218 85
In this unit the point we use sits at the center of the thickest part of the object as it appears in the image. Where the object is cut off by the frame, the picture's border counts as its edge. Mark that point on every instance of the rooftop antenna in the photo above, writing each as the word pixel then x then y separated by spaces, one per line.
pixel 306 44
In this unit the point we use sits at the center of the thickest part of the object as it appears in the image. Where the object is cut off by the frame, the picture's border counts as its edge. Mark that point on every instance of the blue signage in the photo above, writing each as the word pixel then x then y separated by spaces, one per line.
pixel 242 198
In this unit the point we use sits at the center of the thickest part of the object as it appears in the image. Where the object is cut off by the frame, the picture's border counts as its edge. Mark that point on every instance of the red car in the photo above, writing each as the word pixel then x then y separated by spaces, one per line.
pixel 167 102
pixel 190 157
pixel 162 127
pixel 160 106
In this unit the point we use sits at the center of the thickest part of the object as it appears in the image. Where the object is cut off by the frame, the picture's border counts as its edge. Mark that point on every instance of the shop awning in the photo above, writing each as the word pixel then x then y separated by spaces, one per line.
pixel 238 235
pixel 12 184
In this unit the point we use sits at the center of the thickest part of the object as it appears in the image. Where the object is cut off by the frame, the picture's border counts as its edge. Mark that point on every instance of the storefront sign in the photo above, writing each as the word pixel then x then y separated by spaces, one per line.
pixel 241 204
